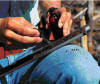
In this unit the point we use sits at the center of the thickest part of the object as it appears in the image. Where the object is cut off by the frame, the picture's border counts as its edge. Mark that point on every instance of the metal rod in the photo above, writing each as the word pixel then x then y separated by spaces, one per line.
pixel 80 13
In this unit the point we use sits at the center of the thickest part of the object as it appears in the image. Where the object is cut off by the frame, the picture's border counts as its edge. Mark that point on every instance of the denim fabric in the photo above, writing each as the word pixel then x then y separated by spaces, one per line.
pixel 69 64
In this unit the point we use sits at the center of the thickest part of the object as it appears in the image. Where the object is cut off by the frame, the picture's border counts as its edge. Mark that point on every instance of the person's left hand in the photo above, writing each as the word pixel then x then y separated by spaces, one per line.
pixel 64 22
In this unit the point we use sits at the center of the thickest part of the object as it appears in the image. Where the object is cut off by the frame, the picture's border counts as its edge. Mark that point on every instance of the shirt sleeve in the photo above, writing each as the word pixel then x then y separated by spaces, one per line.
pixel 4 9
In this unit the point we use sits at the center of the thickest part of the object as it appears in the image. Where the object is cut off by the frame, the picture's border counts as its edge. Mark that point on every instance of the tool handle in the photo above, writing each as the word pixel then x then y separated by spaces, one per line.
pixel 54 18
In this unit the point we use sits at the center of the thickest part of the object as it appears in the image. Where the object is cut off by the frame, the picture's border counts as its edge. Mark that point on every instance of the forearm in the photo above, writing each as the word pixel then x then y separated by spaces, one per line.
pixel 46 4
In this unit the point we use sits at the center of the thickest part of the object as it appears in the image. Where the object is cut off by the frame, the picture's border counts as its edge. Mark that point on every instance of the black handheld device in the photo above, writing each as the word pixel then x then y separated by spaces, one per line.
pixel 53 20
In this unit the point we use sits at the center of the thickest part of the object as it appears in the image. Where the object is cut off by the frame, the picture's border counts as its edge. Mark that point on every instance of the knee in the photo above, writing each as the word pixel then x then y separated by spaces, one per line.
pixel 70 54
pixel 76 61
pixel 81 66
pixel 72 61
pixel 75 53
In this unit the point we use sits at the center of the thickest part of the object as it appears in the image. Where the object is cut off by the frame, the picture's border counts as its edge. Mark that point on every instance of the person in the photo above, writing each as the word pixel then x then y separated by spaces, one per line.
pixel 70 64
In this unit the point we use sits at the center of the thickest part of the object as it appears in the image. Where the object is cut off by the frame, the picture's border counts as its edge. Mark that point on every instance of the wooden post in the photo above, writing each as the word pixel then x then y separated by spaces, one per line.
pixel 90 13
pixel 84 39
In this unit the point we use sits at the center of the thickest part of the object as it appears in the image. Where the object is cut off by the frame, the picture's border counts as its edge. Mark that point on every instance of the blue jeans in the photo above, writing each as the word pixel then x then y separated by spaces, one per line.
pixel 68 65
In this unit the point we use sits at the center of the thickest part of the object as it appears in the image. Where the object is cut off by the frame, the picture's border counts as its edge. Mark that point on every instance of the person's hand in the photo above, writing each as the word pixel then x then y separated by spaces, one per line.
pixel 20 30
pixel 64 22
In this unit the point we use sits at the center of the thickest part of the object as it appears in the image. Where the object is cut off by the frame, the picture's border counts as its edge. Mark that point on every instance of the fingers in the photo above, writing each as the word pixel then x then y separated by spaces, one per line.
pixel 65 21
pixel 22 27
pixel 60 10
pixel 67 28
pixel 22 21
pixel 62 19
pixel 23 39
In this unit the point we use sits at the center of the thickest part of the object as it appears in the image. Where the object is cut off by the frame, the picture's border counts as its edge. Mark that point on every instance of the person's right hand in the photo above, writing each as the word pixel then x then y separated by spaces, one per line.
pixel 20 30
